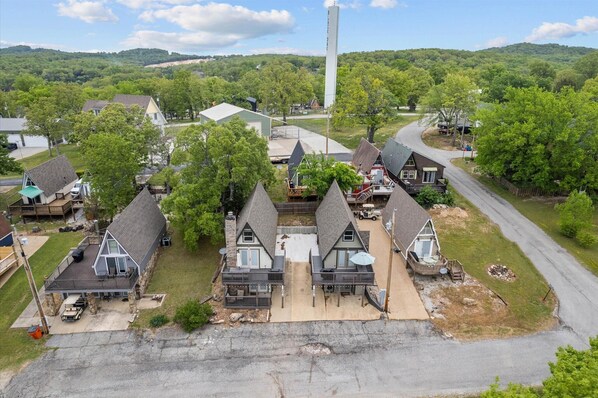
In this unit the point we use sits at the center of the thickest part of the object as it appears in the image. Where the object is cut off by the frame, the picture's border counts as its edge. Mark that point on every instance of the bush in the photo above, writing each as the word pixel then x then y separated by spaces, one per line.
pixel 159 320
pixel 428 197
pixel 586 239
pixel 193 315
pixel 575 214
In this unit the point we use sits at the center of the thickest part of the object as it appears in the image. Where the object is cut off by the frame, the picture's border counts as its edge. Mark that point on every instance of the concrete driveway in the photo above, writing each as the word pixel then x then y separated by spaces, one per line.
pixel 25 152
pixel 404 301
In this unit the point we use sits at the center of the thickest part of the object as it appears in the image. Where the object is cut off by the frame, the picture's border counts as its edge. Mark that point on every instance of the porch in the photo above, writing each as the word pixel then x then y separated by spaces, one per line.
pixel 413 189
pixel 57 208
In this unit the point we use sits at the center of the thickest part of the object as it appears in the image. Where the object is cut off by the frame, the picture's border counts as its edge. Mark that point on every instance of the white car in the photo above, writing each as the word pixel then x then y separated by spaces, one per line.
pixel 80 188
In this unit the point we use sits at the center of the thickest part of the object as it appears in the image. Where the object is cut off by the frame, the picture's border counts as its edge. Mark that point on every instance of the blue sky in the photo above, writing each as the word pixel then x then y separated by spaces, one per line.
pixel 268 26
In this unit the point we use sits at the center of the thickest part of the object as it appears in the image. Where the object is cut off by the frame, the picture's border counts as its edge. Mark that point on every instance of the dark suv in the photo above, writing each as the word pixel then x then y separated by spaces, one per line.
pixel 10 146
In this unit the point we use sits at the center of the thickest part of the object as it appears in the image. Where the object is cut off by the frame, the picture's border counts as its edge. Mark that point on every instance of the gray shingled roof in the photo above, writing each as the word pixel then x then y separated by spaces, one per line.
pixel 301 148
pixel 332 218
pixel 94 104
pixel 262 217
pixel 129 100
pixel 395 155
pixel 53 175
pixel 410 217
pixel 365 156
pixel 138 226
pixel 9 124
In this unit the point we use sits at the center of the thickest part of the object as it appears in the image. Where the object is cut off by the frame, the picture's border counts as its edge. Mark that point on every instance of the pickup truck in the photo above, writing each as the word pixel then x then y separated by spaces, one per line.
pixel 73 308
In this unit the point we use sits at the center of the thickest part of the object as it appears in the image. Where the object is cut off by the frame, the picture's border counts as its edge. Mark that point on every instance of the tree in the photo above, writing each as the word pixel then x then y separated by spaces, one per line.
pixel 573 375
pixel 541 140
pixel 543 73
pixel 112 166
pixel 587 65
pixel 318 173
pixel 575 214
pixel 591 87
pixel 7 164
pixel 43 119
pixel 281 86
pixel 419 83
pixel 567 78
pixel 364 99
pixel 223 164
pixel 451 101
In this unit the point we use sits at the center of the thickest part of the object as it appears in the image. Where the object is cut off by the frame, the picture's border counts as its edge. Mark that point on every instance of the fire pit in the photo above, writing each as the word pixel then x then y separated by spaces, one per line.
pixel 501 272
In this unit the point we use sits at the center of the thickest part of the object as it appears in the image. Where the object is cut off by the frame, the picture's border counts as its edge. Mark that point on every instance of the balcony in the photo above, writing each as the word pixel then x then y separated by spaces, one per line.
pixel 247 301
pixel 240 275
pixel 59 207
pixel 360 275
pixel 413 189
pixel 427 266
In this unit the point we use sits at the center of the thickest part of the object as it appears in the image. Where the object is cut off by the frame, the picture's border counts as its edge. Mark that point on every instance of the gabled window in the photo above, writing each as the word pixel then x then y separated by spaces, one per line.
pixel 247 236
pixel 410 162
pixel 427 230
pixel 113 246
pixel 348 236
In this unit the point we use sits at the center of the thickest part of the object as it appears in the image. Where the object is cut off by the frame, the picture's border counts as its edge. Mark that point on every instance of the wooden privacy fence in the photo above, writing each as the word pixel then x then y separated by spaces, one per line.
pixel 519 192
pixel 296 207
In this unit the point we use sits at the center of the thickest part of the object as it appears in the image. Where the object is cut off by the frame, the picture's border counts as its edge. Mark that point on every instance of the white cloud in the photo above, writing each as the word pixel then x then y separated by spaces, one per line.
pixel 87 11
pixel 195 41
pixel 558 30
pixel 383 3
pixel 287 50
pixel 500 41
pixel 345 4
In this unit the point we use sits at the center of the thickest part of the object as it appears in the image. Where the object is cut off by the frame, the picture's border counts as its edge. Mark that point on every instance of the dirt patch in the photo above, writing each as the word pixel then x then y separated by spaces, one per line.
pixel 297 220
pixel 233 316
pixel 433 138
pixel 469 310
pixel 449 218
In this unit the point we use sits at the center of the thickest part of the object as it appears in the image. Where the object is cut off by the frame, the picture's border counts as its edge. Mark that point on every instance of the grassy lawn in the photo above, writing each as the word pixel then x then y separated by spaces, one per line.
pixel 477 243
pixel 541 212
pixel 182 275
pixel 7 197
pixel 350 136
pixel 16 346
pixel 71 151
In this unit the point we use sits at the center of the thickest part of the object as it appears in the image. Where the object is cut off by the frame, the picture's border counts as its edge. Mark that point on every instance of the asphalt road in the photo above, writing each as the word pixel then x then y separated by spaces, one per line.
pixel 575 286
pixel 378 358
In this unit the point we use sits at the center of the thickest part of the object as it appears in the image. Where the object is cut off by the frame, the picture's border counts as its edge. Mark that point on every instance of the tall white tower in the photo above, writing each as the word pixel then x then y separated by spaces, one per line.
pixel 331 54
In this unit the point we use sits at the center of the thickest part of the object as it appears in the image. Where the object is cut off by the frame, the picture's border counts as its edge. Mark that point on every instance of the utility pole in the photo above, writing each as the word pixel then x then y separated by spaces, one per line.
pixel 31 281
pixel 390 257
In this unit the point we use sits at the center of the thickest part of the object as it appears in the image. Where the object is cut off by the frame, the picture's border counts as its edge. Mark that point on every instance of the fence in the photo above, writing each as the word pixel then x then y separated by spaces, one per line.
pixel 296 230
pixel 519 192
pixel 296 208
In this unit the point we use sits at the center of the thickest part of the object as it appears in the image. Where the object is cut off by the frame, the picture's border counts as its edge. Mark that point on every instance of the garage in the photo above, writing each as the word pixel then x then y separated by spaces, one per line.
pixel 35 141
pixel 256 125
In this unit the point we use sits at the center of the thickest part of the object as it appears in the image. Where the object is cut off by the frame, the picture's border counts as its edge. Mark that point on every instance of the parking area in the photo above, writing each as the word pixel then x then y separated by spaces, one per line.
pixel 112 314
pixel 404 301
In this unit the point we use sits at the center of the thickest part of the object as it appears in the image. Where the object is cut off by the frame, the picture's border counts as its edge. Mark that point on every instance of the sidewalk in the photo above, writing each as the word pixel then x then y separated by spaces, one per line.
pixel 404 301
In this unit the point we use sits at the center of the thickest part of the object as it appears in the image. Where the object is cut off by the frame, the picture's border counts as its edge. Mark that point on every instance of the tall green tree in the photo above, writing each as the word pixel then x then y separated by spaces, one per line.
pixel 575 214
pixel 43 119
pixel 365 99
pixel 112 165
pixel 7 164
pixel 282 85
pixel 453 100
pixel 419 83
pixel 318 173
pixel 222 165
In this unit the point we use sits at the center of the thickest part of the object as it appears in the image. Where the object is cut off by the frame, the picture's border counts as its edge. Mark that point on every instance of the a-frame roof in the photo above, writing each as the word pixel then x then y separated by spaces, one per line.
pixel 301 148
pixel 333 217
pixel 138 226
pixel 395 155
pixel 52 175
pixel 410 217
pixel 365 156
pixel 262 217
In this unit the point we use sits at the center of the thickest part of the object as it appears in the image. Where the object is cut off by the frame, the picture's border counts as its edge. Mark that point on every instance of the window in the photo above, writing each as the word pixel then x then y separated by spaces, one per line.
pixel 259 288
pixel 155 116
pixel 247 236
pixel 348 236
pixel 410 162
pixel 112 246
pixel 429 177
pixel 408 174
pixel 250 258
pixel 427 230
pixel 116 265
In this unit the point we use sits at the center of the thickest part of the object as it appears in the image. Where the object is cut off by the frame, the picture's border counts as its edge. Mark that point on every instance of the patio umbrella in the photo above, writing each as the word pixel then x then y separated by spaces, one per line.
pixel 362 258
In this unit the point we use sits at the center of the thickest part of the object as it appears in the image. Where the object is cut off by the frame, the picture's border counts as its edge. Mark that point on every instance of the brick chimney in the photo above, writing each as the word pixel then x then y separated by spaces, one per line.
pixel 230 235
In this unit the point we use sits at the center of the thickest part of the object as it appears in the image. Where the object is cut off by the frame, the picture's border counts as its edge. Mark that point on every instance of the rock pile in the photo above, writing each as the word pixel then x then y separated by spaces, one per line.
pixel 502 272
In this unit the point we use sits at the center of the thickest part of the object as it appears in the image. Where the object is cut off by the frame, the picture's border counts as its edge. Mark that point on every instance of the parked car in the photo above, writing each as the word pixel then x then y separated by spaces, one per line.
pixel 80 189
pixel 10 146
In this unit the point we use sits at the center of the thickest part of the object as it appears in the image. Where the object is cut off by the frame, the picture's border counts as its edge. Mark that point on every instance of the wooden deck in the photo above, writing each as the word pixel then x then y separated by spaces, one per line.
pixel 58 208
pixel 8 259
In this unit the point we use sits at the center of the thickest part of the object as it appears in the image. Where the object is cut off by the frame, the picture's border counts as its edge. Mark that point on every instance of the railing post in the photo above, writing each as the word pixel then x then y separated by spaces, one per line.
pixel 282 292
pixel 313 295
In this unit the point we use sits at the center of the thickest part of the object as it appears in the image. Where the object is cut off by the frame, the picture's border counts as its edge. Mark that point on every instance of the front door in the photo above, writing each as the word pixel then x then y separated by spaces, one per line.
pixel 423 248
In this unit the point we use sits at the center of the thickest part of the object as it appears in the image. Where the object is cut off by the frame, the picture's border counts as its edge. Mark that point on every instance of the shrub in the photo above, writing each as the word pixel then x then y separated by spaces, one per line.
pixel 586 239
pixel 575 214
pixel 193 315
pixel 159 320
pixel 428 197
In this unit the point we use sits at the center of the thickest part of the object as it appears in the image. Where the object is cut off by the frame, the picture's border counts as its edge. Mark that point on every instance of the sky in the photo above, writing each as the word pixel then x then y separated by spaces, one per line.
pixel 297 27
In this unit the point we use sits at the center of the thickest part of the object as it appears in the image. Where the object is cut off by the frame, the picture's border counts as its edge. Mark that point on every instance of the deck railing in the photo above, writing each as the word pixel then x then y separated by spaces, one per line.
pixel 423 268
pixel 239 275
pixel 247 301
pixel 100 283
pixel 360 275
pixel 17 207
pixel 411 188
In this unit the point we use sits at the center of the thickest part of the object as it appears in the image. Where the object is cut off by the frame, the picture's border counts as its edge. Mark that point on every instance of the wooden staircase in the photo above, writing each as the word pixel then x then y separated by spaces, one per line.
pixel 456 270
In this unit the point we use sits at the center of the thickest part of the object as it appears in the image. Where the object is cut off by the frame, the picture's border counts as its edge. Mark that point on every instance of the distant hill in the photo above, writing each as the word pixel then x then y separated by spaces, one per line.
pixel 549 52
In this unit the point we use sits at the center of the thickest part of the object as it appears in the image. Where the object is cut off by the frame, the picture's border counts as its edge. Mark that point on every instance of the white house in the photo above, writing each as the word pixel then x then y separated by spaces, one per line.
pixel 224 112
pixel 145 102
pixel 13 128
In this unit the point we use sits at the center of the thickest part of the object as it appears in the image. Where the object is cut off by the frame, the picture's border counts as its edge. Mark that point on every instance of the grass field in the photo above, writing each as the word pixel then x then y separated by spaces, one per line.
pixel 477 243
pixel 350 136
pixel 16 346
pixel 181 274
pixel 541 211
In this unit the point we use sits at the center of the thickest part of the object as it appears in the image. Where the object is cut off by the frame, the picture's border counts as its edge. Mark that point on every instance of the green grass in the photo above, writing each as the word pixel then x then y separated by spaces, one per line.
pixel 16 346
pixel 182 275
pixel 173 131
pixel 477 243
pixel 541 212
pixel 71 151
pixel 350 136
pixel 278 190
pixel 7 197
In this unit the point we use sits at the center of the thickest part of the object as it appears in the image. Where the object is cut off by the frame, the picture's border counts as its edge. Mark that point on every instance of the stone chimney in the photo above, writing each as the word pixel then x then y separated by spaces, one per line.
pixel 230 235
